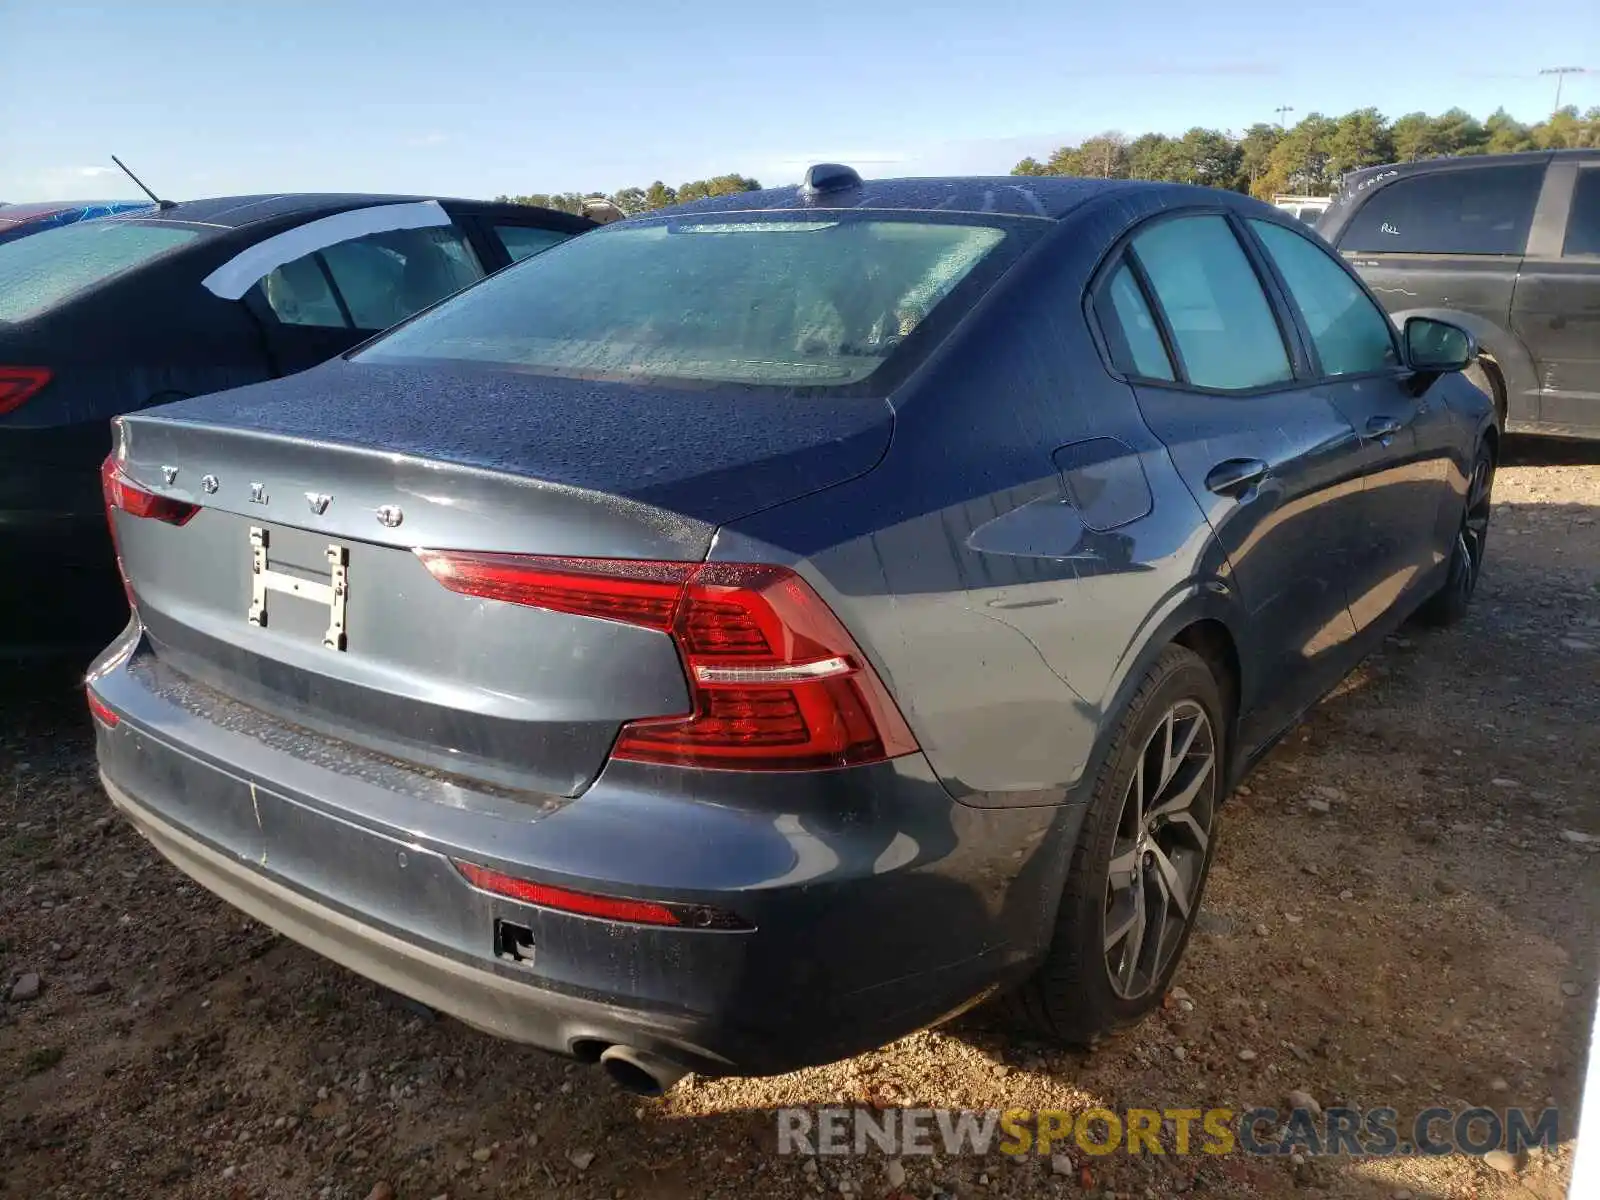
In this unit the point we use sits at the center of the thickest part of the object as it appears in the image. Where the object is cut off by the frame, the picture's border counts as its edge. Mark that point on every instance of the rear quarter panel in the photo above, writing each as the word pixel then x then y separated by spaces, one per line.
pixel 1003 608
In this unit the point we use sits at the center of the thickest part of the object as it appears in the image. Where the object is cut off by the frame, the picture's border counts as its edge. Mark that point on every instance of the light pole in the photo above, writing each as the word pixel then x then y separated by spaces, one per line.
pixel 1282 111
pixel 1561 73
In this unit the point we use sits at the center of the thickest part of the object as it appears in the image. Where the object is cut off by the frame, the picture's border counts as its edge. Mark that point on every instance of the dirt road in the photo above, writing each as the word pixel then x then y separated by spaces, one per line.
pixel 1428 939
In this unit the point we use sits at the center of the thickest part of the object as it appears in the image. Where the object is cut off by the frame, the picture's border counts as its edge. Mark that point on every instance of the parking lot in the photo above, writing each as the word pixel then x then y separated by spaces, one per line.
pixel 1403 912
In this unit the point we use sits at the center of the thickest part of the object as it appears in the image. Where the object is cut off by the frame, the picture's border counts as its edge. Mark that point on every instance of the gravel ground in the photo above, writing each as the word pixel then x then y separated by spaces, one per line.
pixel 1428 939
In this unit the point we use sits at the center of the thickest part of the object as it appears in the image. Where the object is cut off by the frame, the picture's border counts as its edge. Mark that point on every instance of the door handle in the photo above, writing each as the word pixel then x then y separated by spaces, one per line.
pixel 1382 427
pixel 1236 476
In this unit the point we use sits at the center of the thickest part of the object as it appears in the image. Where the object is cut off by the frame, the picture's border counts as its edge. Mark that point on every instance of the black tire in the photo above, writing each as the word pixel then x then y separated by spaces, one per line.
pixel 1072 997
pixel 1451 602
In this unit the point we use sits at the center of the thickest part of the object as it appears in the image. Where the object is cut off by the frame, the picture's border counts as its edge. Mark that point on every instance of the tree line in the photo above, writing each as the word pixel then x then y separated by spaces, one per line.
pixel 633 200
pixel 1308 158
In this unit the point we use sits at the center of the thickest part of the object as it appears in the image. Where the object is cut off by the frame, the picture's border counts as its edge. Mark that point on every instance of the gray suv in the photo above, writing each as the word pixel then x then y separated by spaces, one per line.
pixel 1507 246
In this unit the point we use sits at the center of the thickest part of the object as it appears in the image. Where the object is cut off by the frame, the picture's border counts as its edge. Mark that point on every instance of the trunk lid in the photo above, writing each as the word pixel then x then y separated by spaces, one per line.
pixel 372 462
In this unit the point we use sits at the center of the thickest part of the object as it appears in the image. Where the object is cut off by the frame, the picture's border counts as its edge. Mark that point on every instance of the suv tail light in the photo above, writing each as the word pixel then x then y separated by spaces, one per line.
pixel 127 496
pixel 20 384
pixel 775 681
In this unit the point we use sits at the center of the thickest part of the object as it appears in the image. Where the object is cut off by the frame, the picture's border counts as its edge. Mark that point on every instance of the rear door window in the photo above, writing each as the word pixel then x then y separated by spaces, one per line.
pixel 524 241
pixel 1135 342
pixel 301 293
pixel 45 269
pixel 1478 210
pixel 1583 223
pixel 1351 334
pixel 372 282
pixel 1221 321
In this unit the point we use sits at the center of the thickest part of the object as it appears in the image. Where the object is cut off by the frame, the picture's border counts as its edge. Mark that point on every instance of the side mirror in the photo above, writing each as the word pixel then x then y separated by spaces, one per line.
pixel 1438 347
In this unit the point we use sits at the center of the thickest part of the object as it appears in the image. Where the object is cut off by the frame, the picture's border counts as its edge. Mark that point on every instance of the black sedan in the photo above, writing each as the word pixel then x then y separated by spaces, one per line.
pixel 115 315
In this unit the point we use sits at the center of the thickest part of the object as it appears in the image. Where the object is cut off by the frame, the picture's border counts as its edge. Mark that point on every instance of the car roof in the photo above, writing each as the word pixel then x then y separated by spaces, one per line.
pixel 1455 162
pixel 1047 196
pixel 236 212
pixel 32 210
pixel 222 213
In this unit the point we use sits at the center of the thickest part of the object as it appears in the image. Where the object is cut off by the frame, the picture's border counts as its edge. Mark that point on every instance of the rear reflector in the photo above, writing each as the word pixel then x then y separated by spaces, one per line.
pixel 20 384
pixel 610 908
pixel 124 495
pixel 101 711
pixel 775 681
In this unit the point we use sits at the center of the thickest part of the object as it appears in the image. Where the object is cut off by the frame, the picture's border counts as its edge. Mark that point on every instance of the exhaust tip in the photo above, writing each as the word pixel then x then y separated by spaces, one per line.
pixel 639 1071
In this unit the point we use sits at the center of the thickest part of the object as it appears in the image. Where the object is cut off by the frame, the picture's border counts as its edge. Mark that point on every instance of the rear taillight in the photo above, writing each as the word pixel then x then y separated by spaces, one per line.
pixel 20 384
pixel 124 495
pixel 627 590
pixel 775 681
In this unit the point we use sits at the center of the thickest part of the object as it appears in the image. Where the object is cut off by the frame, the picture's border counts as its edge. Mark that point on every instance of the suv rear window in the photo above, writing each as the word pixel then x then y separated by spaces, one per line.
pixel 1583 223
pixel 1478 210
pixel 39 272
pixel 800 300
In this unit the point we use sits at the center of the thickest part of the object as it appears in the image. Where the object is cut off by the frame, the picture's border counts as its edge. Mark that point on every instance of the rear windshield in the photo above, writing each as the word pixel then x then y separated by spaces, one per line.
pixel 807 300
pixel 41 271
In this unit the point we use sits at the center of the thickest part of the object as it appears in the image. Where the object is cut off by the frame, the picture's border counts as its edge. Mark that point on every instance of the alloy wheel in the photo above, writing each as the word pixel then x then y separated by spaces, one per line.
pixel 1158 857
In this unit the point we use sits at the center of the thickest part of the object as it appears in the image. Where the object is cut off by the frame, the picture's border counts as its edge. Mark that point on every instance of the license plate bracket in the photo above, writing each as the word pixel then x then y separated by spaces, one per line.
pixel 334 593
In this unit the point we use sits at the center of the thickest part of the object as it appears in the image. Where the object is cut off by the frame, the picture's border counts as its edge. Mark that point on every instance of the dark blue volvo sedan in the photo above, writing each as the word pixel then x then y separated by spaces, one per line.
pixel 745 634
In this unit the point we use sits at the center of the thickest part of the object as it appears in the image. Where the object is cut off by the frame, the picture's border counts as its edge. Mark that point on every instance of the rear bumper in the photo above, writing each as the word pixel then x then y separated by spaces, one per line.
pixel 479 997
pixel 878 904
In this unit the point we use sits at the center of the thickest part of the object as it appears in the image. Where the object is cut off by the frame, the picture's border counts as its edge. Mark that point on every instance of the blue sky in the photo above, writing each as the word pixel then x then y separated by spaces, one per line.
pixel 497 96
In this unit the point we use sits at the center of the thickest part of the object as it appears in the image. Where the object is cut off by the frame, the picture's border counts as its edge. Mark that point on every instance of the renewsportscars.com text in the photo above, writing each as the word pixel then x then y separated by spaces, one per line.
pixel 1216 1131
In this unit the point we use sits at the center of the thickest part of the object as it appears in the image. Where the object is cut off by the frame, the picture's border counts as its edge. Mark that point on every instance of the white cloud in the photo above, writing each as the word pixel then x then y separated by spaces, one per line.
pixel 428 139
pixel 60 183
